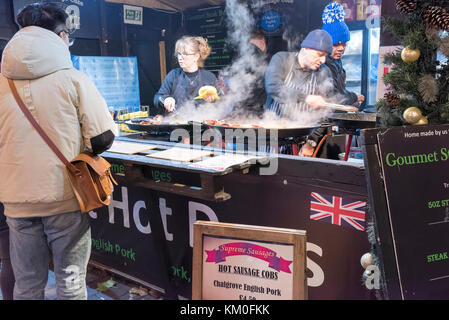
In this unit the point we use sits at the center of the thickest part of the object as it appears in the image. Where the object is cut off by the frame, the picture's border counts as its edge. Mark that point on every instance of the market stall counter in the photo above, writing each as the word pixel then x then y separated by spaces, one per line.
pixel 146 233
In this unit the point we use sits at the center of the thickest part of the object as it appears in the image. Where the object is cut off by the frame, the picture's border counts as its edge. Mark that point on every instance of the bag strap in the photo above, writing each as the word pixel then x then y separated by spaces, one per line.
pixel 38 128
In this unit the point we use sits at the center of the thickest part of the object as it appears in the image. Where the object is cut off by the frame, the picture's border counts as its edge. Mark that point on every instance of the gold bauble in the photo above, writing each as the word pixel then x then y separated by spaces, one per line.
pixel 410 55
pixel 412 115
pixel 423 120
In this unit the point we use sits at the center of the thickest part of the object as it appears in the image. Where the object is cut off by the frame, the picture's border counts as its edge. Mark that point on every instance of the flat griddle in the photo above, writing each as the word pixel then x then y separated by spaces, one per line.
pixel 281 132
pixel 353 121
pixel 163 128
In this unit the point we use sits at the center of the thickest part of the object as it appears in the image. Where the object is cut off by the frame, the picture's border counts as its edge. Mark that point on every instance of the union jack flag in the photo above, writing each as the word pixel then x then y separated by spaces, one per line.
pixel 346 212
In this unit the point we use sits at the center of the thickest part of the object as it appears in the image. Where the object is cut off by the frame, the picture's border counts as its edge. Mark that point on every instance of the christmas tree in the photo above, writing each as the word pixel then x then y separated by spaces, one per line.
pixel 419 82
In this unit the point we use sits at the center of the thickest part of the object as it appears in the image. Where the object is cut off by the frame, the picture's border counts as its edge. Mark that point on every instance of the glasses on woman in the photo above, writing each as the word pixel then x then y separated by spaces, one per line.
pixel 183 54
pixel 67 34
pixel 71 40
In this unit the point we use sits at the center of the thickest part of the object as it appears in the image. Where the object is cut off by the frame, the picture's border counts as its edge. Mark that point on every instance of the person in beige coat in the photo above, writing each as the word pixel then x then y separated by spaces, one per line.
pixel 6 274
pixel 41 209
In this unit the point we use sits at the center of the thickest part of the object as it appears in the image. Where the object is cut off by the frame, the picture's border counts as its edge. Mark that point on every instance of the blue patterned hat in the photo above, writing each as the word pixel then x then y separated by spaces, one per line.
pixel 334 23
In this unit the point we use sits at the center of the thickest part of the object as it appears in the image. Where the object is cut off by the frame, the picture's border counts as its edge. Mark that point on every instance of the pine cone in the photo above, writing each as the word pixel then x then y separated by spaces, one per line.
pixel 428 88
pixel 437 17
pixel 433 34
pixel 392 99
pixel 406 6
pixel 444 46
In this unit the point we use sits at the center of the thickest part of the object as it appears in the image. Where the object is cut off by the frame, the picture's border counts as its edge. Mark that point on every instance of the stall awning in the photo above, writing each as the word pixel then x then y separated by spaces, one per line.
pixel 171 5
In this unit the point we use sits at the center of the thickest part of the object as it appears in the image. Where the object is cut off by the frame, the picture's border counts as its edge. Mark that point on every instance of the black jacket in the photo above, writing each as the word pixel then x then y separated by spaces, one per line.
pixel 342 95
pixel 284 69
pixel 285 64
pixel 182 88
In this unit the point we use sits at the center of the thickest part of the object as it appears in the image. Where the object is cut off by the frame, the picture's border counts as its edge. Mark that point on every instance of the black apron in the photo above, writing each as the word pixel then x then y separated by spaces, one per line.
pixel 186 88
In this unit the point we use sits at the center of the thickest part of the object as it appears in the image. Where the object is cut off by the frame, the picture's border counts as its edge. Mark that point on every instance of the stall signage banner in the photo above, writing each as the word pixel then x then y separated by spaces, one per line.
pixel 82 16
pixel 133 15
pixel 416 176
pixel 236 269
pixel 156 228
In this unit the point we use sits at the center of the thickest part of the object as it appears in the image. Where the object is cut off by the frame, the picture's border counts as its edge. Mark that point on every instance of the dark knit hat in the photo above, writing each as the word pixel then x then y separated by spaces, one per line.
pixel 318 40
pixel 334 23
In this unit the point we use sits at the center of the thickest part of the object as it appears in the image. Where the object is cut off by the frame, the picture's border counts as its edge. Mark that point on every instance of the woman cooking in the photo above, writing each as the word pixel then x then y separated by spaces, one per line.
pixel 182 85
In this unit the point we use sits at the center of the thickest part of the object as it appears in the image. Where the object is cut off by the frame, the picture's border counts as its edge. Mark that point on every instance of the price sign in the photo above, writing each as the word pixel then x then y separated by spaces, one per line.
pixel 243 262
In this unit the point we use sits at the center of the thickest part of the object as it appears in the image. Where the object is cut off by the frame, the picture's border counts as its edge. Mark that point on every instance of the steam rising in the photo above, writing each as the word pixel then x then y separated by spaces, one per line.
pixel 292 38
pixel 242 75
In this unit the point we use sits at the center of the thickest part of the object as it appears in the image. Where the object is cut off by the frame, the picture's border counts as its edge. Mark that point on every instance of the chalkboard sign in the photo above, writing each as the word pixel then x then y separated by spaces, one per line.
pixel 245 262
pixel 210 23
pixel 407 171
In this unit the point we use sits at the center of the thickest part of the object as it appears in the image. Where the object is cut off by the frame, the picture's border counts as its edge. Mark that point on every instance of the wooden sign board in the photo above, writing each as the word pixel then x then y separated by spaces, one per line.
pixel 180 154
pixel 129 148
pixel 244 262
pixel 407 172
pixel 222 162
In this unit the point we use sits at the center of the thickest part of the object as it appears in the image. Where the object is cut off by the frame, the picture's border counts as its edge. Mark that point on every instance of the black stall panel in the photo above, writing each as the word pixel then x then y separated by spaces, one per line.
pixel 148 235
pixel 408 186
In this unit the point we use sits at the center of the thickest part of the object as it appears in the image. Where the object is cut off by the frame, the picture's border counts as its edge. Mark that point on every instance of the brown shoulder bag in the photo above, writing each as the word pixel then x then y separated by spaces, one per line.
pixel 89 175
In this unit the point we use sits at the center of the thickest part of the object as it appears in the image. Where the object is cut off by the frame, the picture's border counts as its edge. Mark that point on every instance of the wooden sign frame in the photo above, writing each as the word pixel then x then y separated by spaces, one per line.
pixel 378 211
pixel 297 238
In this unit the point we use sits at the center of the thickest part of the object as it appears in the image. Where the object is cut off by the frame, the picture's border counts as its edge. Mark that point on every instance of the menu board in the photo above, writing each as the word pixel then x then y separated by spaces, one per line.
pixel 415 169
pixel 210 23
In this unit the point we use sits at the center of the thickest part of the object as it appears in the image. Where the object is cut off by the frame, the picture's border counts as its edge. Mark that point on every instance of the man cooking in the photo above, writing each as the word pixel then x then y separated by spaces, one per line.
pixel 298 82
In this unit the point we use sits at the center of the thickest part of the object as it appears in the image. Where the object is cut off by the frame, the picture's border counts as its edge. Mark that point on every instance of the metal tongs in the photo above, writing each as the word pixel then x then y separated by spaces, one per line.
pixel 341 107
pixel 175 113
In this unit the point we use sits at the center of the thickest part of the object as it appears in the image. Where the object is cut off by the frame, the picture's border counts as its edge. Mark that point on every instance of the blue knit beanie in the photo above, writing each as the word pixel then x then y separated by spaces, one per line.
pixel 318 40
pixel 334 23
